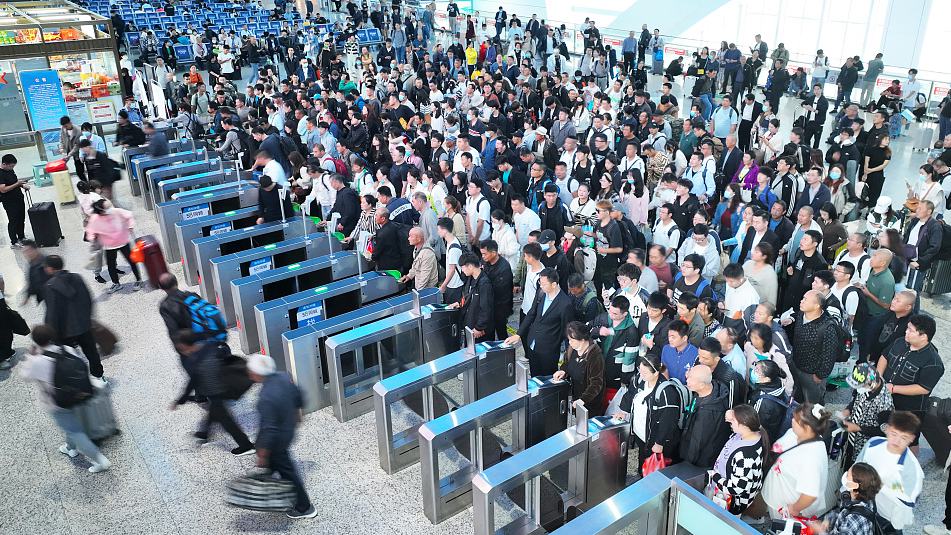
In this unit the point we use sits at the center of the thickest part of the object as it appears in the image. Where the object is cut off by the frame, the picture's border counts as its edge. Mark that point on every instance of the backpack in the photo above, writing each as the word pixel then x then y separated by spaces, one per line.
pixel 869 514
pixel 944 253
pixel 684 399
pixel 676 128
pixel 71 384
pixel 339 166
pixel 717 146
pixel 585 263
pixel 195 127
pixel 790 407
pixel 704 283
pixel 206 318
pixel 244 141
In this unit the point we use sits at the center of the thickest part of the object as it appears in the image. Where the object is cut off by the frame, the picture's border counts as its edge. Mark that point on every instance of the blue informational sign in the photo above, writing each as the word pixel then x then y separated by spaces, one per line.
pixel 308 315
pixel 133 39
pixel 184 53
pixel 44 99
pixel 194 212
pixel 260 265
pixel 220 228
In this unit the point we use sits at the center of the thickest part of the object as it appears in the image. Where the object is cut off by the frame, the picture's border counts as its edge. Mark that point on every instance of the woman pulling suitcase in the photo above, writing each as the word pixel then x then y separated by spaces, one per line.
pixel 112 228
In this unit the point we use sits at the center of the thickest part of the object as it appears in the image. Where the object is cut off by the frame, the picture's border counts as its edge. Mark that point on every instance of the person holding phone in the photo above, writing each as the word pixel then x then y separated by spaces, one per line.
pixel 11 195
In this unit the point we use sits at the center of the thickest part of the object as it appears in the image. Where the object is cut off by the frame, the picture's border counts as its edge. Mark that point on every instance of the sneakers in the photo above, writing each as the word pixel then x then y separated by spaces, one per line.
pixel 98 382
pixel 241 451
pixel 310 513
pixel 753 521
pixel 65 450
pixel 114 288
pixel 138 285
pixel 99 279
pixel 6 364
pixel 201 439
pixel 934 529
pixel 101 466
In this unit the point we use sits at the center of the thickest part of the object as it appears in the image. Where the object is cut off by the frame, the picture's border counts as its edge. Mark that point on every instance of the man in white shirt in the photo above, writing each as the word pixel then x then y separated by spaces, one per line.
pixel 570 154
pixel 843 290
pixel 226 60
pixel 910 90
pixel 666 232
pixel 451 286
pixel 524 218
pixel 478 211
pixel 740 293
pixel 855 254
pixel 462 146
pixel 271 168
pixel 532 253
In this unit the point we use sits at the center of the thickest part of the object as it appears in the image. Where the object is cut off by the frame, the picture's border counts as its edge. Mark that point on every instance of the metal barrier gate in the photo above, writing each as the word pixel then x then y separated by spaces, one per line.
pixel 197 203
pixel 170 172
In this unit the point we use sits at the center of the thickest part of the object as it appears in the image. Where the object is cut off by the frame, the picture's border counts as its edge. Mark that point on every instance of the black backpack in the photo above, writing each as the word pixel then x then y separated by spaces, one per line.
pixel 288 145
pixel 944 253
pixel 71 384
pixel 244 141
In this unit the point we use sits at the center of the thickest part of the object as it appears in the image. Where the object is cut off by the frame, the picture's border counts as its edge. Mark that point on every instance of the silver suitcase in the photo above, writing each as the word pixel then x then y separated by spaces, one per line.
pixel 925 140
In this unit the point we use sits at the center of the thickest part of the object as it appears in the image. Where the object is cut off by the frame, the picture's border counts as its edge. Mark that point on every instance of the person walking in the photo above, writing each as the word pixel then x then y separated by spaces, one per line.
pixel 69 313
pixel 279 405
pixel 11 196
pixel 112 228
pixel 40 366
pixel 203 360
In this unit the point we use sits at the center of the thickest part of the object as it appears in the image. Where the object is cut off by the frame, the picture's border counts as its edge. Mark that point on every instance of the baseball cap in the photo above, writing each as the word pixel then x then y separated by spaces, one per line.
pixel 547 236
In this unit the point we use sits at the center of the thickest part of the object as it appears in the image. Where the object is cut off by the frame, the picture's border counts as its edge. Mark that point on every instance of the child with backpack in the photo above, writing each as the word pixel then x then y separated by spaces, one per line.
pixel 855 514
pixel 64 379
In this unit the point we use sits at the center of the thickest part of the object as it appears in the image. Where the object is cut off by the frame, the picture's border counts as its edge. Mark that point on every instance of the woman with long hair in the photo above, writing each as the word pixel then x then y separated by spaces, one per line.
pixel 606 189
pixel 584 367
pixel 926 188
pixel 877 158
pixel 726 212
pixel 760 272
pixel 454 212
pixel 739 469
pixel 891 239
pixel 366 225
pixel 112 229
pixel 745 174
pixel 768 393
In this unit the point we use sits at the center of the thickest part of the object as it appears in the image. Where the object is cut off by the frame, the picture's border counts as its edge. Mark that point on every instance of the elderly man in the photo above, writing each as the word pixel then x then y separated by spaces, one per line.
pixel 706 430
pixel 424 271
pixel 815 347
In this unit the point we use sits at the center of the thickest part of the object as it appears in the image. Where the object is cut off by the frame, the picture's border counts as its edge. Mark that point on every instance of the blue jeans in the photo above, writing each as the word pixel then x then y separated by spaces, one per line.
pixel 706 101
pixel 76 438
pixel 400 54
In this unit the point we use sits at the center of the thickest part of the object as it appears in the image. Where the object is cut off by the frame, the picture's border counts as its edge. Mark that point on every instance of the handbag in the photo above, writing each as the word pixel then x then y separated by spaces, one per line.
pixel 258 491
pixel 234 376
pixel 654 463
pixel 105 339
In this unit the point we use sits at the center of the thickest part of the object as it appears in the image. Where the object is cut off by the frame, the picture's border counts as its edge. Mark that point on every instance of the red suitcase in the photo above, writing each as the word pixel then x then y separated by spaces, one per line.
pixel 153 258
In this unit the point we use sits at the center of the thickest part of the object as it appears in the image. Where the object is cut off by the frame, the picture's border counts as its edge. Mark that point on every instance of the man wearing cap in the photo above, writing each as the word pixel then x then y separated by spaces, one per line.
pixel 544 149
pixel 279 405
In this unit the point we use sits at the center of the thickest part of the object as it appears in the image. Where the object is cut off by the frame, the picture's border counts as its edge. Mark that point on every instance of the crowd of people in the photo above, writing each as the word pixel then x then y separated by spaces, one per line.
pixel 688 261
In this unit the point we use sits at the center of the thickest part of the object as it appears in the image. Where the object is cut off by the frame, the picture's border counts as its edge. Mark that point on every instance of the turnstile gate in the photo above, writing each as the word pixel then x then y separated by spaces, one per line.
pixel 197 203
pixel 170 172
pixel 305 352
pixel 455 447
pixel 358 358
pixel 405 401
pixel 234 241
pixel 540 488
pixel 166 189
pixel 141 166
pixel 209 225
pixel 278 316
pixel 277 282
pixel 133 154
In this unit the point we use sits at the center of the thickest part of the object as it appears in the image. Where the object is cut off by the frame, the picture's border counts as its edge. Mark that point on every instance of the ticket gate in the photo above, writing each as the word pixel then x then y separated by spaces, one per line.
pixel 455 447
pixel 142 164
pixel 166 189
pixel 209 225
pixel 427 392
pixel 245 265
pixel 132 154
pixel 233 241
pixel 656 505
pixel 357 359
pixel 266 284
pixel 169 172
pixel 201 202
pixel 539 488
pixel 278 316
pixel 306 353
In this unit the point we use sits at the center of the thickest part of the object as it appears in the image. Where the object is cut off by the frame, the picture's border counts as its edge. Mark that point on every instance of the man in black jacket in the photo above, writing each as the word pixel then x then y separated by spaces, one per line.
pixel 553 213
pixel 99 167
pixel 500 273
pixel 274 203
pixel 36 276
pixel 542 331
pixel 848 76
pixel 746 126
pixel 69 312
pixel 709 354
pixel 816 107
pixel 779 83
pixel 346 204
pixel 929 233
pixel 387 250
pixel 554 258
pixel 127 133
pixel 477 303
pixel 729 161
pixel 705 431
pixel 760 234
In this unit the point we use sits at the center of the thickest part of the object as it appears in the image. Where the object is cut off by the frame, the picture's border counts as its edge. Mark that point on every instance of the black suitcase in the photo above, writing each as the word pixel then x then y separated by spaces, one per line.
pixel 938 278
pixel 45 223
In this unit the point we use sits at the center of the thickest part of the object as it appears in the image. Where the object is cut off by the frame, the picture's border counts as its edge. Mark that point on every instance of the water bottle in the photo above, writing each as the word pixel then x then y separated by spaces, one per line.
pixel 642 349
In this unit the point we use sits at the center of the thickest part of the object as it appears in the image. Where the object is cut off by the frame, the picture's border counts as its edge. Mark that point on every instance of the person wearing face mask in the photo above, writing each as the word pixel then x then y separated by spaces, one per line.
pixel 855 514
pixel 867 412
pixel 96 140
pixel 112 227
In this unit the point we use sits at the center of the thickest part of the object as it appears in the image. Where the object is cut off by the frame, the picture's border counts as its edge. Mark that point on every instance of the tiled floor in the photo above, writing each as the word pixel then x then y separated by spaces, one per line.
pixel 162 484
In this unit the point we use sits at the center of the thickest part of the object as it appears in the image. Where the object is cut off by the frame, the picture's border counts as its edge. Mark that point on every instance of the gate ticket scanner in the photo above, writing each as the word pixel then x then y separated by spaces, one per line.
pixel 455 447
pixel 426 392
pixel 169 172
pixel 201 202
pixel 539 487
pixel 209 225
pixel 357 359
pixel 166 189
pixel 306 354
pixel 259 261
pixel 233 241
pixel 265 281
pixel 142 164
pixel 131 154
pixel 656 505
pixel 301 309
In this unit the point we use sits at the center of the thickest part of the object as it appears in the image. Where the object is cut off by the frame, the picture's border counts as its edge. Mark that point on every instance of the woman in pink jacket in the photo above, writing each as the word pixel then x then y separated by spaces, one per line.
pixel 112 228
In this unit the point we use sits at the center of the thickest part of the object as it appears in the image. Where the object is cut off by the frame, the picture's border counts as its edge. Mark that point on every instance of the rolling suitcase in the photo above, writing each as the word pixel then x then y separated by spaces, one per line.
pixel 938 278
pixel 925 140
pixel 45 223
pixel 152 257
pixel 96 415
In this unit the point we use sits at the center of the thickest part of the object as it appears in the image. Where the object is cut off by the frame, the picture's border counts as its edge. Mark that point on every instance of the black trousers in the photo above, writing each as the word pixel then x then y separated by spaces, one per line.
pixel 452 295
pixel 218 413
pixel 743 135
pixel 80 168
pixel 111 255
pixel 280 461
pixel 501 323
pixel 630 60
pixel 813 131
pixel 16 220
pixel 87 344
pixel 542 362
pixel 6 339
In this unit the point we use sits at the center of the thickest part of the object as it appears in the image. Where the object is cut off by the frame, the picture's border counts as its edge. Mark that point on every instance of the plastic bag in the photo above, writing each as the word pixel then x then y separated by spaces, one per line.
pixel 615 405
pixel 137 255
pixel 653 463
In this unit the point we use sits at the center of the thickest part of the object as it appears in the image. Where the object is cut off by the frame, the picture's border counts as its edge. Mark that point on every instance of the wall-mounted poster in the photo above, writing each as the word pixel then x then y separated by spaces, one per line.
pixel 44 99
pixel 12 118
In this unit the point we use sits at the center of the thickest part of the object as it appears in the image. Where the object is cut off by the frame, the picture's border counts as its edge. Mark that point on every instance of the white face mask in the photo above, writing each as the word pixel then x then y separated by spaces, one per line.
pixel 728 194
pixel 545 247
